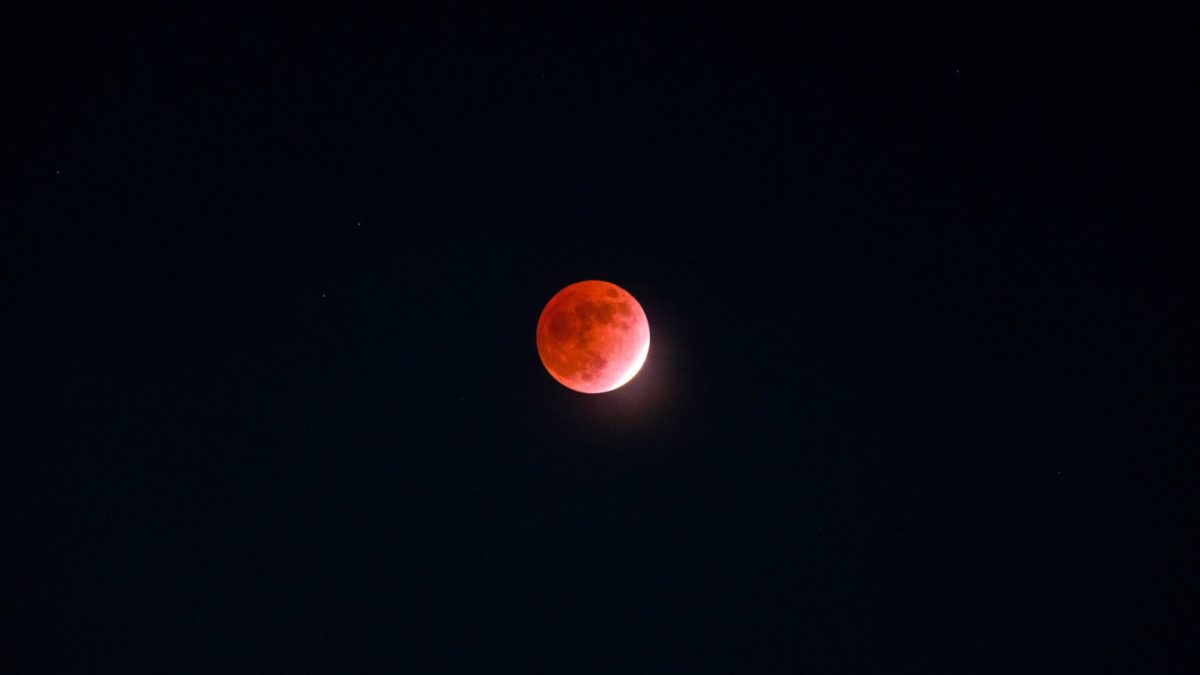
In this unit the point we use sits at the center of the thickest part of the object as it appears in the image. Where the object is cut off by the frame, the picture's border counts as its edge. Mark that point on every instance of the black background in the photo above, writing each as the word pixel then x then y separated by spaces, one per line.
pixel 921 394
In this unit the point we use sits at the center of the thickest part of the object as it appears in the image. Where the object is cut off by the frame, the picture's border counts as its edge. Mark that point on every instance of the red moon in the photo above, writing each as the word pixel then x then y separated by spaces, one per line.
pixel 593 337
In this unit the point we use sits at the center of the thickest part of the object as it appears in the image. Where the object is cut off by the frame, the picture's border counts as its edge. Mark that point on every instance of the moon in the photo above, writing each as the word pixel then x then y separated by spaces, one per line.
pixel 593 337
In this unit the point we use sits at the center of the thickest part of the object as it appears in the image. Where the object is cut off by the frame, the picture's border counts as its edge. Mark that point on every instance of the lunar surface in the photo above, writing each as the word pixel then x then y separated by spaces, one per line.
pixel 593 336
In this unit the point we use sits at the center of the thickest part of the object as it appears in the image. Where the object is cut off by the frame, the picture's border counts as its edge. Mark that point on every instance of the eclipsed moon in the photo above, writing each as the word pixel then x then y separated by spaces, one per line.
pixel 593 336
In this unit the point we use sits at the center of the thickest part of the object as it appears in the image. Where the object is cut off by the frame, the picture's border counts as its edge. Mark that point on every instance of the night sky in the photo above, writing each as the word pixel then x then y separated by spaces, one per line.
pixel 921 395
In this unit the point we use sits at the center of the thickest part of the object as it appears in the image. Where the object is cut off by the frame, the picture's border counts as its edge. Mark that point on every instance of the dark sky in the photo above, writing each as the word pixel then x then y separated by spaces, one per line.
pixel 921 396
